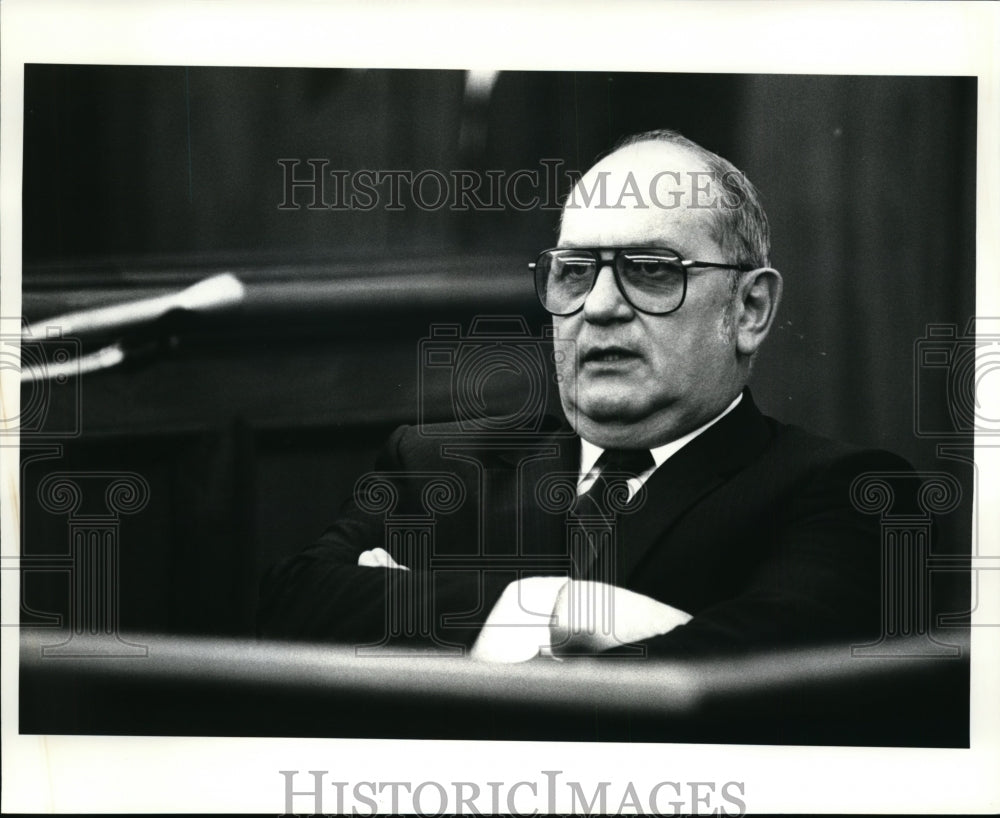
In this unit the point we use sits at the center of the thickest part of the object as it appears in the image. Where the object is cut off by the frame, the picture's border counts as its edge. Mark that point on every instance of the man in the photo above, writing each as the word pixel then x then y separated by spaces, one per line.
pixel 725 531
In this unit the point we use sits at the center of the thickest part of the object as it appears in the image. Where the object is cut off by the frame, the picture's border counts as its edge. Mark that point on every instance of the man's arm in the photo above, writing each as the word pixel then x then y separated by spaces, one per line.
pixel 323 594
pixel 820 580
pixel 593 617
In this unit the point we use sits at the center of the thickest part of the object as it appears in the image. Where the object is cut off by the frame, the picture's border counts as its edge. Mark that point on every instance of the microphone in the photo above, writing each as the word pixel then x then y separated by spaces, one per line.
pixel 104 358
pixel 212 294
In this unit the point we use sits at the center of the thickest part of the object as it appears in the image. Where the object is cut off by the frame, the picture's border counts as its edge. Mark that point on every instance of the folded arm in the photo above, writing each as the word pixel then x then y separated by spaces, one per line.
pixel 343 587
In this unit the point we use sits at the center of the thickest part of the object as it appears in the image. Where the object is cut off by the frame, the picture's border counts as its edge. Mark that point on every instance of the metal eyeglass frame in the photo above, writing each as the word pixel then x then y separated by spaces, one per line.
pixel 616 263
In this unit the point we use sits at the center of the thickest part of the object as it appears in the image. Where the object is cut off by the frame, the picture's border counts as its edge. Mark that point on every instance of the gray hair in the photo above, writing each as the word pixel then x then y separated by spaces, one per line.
pixel 741 226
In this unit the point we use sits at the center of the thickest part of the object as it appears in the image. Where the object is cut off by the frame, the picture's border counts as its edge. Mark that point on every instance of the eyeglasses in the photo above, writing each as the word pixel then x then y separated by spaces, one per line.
pixel 653 280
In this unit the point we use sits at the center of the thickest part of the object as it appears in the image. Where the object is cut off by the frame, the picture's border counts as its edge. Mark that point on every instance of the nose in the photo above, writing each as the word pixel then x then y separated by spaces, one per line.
pixel 605 303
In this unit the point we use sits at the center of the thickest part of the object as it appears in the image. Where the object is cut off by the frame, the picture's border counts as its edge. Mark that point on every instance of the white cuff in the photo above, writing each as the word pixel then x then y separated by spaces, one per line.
pixel 517 628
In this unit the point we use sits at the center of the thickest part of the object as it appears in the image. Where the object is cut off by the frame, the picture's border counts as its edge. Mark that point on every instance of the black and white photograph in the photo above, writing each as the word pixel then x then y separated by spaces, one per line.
pixel 529 429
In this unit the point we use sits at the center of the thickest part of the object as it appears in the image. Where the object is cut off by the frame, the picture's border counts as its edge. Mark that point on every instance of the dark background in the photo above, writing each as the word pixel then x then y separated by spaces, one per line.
pixel 250 429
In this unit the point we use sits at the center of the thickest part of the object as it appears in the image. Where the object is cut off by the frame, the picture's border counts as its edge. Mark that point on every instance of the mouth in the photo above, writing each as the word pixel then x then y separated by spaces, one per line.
pixel 608 355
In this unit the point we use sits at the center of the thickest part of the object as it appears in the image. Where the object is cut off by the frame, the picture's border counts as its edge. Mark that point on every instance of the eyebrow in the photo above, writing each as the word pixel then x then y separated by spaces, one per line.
pixel 636 246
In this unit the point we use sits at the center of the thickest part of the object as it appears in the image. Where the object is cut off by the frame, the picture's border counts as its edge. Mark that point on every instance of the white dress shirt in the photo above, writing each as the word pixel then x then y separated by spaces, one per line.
pixel 517 628
pixel 589 454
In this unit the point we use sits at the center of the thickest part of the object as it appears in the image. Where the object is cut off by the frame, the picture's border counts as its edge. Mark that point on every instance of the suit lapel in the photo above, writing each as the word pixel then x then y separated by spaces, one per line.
pixel 689 475
pixel 674 487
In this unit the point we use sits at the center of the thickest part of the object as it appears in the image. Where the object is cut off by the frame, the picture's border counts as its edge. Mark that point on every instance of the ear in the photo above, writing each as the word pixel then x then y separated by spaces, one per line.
pixel 759 294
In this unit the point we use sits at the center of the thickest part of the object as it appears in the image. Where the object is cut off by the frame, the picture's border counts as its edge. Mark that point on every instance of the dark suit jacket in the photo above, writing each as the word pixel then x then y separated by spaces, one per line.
pixel 750 528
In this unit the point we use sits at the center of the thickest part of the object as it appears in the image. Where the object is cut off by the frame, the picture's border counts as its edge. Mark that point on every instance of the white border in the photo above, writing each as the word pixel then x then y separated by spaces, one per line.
pixel 240 775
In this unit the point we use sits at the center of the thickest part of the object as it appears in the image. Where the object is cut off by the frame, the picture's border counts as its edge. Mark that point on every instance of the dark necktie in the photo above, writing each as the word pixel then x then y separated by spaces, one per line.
pixel 597 508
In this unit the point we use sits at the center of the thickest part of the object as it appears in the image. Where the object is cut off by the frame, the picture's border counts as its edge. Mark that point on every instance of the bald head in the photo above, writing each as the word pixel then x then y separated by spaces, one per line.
pixel 654 175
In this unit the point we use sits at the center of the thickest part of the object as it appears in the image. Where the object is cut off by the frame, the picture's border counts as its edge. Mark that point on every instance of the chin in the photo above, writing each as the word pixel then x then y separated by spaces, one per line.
pixel 608 437
pixel 608 423
pixel 610 405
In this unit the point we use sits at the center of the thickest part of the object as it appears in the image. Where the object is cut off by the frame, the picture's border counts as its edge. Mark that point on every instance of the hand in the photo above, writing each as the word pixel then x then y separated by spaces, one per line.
pixel 590 617
pixel 379 558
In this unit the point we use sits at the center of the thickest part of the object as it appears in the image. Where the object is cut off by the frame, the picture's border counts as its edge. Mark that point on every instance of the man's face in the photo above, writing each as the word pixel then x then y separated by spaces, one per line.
pixel 628 379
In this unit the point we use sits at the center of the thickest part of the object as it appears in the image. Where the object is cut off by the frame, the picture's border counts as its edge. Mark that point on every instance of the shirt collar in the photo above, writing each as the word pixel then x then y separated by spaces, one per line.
pixel 589 452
